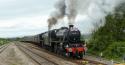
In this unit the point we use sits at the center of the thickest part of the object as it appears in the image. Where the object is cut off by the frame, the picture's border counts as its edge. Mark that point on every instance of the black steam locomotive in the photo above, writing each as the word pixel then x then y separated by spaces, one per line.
pixel 65 41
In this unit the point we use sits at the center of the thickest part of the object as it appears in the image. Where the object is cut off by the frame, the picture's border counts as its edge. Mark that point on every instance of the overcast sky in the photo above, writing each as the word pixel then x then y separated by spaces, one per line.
pixel 29 17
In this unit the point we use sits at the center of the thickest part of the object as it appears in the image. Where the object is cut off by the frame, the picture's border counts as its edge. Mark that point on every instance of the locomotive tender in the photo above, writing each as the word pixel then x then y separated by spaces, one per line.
pixel 65 41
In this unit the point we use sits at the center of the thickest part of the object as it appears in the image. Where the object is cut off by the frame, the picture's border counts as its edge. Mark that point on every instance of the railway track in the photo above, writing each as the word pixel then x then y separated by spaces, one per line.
pixel 3 47
pixel 35 56
pixel 79 62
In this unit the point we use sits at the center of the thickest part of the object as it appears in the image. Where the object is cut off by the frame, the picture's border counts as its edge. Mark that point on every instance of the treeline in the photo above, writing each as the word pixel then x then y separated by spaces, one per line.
pixel 110 38
pixel 3 41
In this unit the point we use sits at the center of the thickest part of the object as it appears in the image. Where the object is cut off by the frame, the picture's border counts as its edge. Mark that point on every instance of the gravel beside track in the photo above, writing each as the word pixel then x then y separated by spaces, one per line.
pixel 11 55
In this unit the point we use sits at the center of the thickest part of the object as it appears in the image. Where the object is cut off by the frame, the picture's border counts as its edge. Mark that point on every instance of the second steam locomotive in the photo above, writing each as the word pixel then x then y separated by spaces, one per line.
pixel 65 41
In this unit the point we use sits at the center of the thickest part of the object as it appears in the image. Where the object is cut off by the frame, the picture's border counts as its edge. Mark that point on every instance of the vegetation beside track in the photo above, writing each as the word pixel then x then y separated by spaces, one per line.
pixel 3 41
pixel 108 40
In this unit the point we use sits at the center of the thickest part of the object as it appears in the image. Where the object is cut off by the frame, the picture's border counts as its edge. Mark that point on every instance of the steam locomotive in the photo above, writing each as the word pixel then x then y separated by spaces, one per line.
pixel 65 41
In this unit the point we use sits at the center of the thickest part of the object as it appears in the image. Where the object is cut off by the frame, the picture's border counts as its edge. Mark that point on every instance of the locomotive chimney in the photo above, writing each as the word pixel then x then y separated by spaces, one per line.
pixel 70 26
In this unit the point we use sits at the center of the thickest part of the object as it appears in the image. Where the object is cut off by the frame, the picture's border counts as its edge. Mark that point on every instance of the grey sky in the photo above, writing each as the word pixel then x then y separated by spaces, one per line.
pixel 28 17
pixel 24 17
pixel 18 8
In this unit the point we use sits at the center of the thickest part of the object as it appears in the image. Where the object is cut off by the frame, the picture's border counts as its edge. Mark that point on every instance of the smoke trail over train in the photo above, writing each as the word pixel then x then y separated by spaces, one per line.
pixel 95 9
pixel 71 10
pixel 58 14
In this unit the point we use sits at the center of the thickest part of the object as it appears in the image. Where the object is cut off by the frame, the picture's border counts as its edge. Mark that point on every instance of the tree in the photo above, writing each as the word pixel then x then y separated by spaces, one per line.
pixel 112 31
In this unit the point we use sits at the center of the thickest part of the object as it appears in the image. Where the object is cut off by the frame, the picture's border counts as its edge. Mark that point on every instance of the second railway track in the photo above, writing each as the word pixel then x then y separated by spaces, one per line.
pixel 2 48
pixel 35 56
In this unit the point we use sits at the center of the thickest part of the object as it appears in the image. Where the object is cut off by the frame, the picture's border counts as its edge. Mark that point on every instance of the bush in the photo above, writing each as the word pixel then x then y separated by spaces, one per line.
pixel 115 50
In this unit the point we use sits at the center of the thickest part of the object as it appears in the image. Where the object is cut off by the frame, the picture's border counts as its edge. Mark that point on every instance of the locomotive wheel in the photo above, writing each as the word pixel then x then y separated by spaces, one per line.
pixel 81 55
pixel 77 54
pixel 55 48
pixel 71 54
pixel 64 53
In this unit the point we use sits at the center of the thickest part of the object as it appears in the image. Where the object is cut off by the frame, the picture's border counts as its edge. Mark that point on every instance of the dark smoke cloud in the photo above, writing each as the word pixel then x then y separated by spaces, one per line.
pixel 71 10
pixel 52 21
pixel 63 8
pixel 58 14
